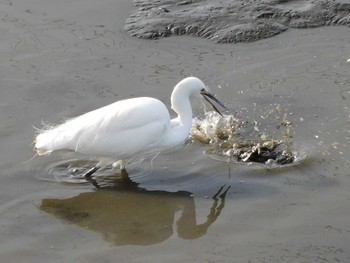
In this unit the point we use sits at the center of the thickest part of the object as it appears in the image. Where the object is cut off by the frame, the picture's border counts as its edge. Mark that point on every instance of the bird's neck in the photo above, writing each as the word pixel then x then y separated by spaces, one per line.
pixel 182 124
pixel 179 131
pixel 182 107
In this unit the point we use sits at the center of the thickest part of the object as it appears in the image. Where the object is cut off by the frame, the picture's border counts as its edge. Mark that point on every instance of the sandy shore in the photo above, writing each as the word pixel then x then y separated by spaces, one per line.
pixel 61 59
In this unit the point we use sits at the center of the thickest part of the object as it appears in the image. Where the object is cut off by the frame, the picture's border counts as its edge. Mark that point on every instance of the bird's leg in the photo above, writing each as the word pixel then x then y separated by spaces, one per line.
pixel 126 183
pixel 93 182
pixel 91 171
pixel 121 164
pixel 217 207
pixel 125 175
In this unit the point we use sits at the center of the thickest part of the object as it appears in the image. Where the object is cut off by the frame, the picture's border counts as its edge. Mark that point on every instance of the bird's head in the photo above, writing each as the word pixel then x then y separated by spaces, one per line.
pixel 194 87
pixel 211 99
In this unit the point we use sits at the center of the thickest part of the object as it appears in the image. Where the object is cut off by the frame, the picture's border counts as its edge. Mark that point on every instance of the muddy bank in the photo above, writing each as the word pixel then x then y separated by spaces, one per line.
pixel 232 21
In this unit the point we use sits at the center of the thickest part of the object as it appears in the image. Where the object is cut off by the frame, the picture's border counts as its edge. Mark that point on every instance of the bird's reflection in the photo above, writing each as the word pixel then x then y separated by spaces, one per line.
pixel 126 214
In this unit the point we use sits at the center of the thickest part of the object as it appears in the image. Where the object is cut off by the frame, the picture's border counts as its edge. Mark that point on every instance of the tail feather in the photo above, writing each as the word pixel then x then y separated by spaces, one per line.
pixel 43 143
pixel 54 139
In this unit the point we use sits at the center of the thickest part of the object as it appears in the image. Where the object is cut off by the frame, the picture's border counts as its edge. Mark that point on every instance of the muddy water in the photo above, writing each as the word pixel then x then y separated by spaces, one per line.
pixel 181 206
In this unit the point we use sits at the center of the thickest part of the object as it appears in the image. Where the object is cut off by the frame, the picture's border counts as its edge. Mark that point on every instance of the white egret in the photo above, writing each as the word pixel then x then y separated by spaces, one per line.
pixel 127 128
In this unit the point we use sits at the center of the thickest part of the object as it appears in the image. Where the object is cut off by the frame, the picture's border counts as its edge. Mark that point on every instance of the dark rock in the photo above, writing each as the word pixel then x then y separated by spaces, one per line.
pixel 228 21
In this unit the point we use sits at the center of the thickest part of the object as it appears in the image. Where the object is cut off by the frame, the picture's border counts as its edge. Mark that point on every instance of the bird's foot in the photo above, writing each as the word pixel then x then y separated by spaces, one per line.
pixel 121 164
pixel 90 172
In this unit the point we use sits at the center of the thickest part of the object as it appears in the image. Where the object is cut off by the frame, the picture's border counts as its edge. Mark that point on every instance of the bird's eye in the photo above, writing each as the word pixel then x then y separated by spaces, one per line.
pixel 203 90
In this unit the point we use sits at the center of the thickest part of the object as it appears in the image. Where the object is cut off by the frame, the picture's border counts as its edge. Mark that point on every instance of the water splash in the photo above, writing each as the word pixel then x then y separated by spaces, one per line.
pixel 235 140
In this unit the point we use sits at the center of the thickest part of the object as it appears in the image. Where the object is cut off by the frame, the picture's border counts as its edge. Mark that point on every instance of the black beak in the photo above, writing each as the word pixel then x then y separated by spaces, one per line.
pixel 207 96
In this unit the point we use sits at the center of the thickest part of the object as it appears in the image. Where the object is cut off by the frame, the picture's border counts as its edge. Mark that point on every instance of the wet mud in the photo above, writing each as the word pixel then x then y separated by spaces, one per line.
pixel 232 21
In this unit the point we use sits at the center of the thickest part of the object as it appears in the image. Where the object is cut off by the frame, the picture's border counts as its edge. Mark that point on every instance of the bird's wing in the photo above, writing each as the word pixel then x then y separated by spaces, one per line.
pixel 120 129
pixel 126 128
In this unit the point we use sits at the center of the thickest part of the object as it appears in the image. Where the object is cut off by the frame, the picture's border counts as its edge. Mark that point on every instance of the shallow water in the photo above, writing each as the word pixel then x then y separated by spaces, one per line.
pixel 62 64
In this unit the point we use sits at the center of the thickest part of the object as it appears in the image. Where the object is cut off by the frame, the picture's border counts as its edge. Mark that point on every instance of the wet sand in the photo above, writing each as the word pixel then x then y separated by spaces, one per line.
pixel 59 60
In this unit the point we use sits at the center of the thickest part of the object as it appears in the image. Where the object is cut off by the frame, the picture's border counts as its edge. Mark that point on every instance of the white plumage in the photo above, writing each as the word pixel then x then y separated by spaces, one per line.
pixel 128 127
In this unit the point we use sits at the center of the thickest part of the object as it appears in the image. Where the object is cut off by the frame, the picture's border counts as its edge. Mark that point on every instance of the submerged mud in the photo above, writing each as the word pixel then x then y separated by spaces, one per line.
pixel 230 21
